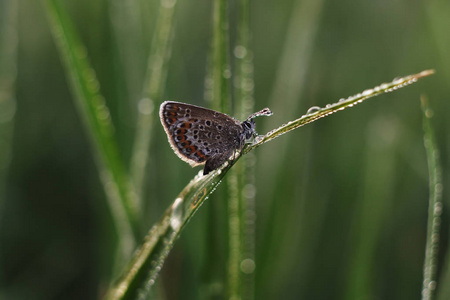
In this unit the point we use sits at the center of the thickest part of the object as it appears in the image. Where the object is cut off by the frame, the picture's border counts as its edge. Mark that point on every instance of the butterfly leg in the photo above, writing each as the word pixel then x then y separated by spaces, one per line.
pixel 216 161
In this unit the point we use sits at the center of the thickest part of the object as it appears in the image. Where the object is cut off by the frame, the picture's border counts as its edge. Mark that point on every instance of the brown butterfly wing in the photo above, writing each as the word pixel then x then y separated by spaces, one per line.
pixel 199 134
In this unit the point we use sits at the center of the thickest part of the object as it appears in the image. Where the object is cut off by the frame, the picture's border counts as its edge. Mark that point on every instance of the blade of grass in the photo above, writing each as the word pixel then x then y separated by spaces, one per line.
pixel 293 67
pixel 146 263
pixel 217 90
pixel 221 71
pixel 141 273
pixel 377 192
pixel 95 114
pixel 437 12
pixel 221 74
pixel 8 74
pixel 434 206
pixel 315 113
pixel 289 84
pixel 243 264
pixel 127 62
pixel 154 83
pixel 125 19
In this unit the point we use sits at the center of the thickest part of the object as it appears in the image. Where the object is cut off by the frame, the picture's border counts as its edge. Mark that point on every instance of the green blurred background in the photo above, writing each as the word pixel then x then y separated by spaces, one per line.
pixel 341 204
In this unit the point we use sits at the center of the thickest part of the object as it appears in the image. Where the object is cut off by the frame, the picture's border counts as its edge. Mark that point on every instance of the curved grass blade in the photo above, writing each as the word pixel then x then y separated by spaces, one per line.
pixel 434 207
pixel 315 113
pixel 141 273
pixel 95 114
pixel 146 263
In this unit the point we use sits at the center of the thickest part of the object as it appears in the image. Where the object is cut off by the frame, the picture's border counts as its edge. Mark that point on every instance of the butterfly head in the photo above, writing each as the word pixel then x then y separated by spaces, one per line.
pixel 249 124
pixel 249 128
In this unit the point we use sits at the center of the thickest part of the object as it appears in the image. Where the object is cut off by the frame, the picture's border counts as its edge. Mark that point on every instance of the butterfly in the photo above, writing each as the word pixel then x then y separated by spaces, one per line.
pixel 203 136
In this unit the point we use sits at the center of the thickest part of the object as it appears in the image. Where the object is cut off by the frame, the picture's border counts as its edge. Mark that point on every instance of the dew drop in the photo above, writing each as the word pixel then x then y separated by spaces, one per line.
pixel 438 209
pixel 177 211
pixel 397 80
pixel 145 106
pixel 248 85
pixel 226 74
pixel 313 109
pixel 248 266
pixel 367 92
pixel 240 51
pixel 384 86
pixel 103 113
pixel 249 190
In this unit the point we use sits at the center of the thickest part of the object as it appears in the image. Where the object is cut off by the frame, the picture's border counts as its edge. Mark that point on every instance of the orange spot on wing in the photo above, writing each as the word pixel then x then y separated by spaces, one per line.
pixel 191 148
pixel 186 125
pixel 170 120
pixel 200 155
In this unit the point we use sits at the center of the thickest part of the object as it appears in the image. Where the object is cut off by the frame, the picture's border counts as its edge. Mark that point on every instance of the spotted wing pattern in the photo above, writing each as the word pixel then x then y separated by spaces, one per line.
pixel 200 135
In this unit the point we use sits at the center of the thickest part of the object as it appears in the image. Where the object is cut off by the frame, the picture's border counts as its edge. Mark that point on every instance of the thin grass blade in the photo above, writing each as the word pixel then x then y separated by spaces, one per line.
pixel 435 205
pixel 242 214
pixel 154 84
pixel 96 117
pixel 315 113
pixel 141 273
pixel 8 74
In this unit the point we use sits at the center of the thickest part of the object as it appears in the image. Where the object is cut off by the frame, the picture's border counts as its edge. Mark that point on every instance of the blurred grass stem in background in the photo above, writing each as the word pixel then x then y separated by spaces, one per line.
pixel 435 205
pixel 154 83
pixel 8 74
pixel 92 109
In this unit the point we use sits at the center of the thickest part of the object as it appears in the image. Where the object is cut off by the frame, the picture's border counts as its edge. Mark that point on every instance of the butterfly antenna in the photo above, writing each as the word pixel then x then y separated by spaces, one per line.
pixel 264 112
